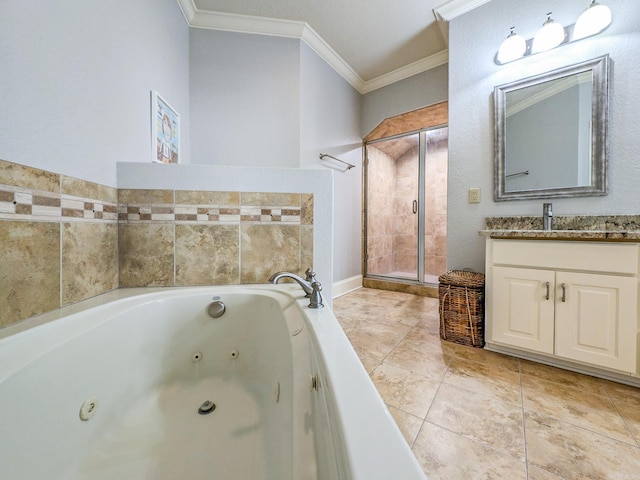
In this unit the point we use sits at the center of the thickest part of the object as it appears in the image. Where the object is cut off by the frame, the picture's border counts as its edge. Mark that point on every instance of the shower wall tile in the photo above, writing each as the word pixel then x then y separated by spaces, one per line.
pixel 146 255
pixel 267 249
pixel 29 269
pixel 89 260
pixel 207 254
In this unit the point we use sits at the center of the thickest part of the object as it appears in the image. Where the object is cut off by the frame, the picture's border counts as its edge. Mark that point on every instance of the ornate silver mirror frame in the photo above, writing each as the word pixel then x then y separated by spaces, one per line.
pixel 596 174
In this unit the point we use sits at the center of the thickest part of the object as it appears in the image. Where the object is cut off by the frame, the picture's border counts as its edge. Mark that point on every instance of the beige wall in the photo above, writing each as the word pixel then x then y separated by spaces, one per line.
pixel 63 240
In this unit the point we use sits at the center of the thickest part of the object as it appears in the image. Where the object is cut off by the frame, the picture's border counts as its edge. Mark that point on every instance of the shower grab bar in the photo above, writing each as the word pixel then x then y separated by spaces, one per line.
pixel 526 172
pixel 349 166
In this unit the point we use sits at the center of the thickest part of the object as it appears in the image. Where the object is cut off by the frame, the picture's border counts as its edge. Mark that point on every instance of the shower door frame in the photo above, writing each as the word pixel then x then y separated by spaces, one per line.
pixel 422 149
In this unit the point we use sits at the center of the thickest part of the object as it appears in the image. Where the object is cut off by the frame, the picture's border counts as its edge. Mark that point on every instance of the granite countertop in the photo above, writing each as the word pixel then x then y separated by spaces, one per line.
pixel 616 228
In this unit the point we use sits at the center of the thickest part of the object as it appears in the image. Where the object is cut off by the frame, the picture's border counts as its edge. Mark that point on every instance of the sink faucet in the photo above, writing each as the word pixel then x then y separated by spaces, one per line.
pixel 547 216
pixel 311 288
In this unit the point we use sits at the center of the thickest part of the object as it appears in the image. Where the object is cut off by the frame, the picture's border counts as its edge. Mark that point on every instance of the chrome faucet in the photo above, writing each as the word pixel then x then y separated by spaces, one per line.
pixel 312 288
pixel 547 216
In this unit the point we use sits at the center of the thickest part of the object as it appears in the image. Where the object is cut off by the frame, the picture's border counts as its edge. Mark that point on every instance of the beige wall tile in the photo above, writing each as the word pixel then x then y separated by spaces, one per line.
pixel 306 248
pixel 306 212
pixel 207 254
pixel 267 249
pixel 89 260
pixel 28 177
pixel 146 255
pixel 145 196
pixel 195 197
pixel 83 188
pixel 271 199
pixel 29 269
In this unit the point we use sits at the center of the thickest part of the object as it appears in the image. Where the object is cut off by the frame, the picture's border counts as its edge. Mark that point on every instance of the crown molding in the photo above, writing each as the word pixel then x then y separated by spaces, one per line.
pixel 407 71
pixel 454 8
pixel 231 22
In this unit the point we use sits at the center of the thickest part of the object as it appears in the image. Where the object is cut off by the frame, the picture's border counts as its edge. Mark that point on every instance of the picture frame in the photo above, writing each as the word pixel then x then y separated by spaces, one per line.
pixel 165 131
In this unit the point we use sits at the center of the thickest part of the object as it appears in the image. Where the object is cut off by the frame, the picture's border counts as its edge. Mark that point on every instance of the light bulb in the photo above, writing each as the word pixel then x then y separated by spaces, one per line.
pixel 549 36
pixel 512 48
pixel 593 20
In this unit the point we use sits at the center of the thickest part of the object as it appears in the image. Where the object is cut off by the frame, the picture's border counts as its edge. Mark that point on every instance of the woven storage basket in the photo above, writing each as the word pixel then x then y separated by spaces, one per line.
pixel 461 296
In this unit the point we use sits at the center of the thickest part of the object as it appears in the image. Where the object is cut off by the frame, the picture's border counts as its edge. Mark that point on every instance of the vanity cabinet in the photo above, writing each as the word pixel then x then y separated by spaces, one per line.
pixel 567 300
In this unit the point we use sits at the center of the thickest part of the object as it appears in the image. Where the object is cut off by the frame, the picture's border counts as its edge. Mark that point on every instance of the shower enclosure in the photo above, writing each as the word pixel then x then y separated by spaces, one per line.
pixel 406 207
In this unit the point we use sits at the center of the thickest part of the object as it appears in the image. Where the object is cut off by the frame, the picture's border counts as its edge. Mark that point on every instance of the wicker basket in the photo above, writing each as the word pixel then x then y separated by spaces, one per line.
pixel 461 296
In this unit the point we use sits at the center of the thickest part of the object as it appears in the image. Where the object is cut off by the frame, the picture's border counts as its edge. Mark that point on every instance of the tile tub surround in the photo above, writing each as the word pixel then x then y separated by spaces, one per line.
pixel 173 238
pixel 58 241
pixel 474 414
pixel 63 239
pixel 579 227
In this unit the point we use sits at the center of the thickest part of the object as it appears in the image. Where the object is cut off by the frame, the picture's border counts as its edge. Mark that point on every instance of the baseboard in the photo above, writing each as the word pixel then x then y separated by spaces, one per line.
pixel 347 285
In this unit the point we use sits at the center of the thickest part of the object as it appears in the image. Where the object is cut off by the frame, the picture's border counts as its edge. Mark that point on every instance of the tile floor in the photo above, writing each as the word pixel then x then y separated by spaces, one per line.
pixel 473 414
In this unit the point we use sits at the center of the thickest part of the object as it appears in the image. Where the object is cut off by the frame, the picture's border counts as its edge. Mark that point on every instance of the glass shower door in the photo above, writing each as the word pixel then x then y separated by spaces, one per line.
pixel 392 207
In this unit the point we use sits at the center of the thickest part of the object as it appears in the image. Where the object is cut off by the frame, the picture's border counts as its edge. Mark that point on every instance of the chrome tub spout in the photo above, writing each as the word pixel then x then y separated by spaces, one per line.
pixel 311 289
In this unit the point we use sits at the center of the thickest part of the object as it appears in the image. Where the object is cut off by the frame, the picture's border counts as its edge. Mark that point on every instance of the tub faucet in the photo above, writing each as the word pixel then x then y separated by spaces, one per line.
pixel 547 216
pixel 312 289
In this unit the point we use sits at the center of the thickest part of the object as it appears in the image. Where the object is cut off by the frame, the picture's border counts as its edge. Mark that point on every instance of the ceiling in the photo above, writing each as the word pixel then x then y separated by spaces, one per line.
pixel 371 43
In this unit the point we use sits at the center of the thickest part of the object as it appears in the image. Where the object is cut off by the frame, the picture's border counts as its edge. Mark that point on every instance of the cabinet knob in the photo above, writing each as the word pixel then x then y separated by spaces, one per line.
pixel 564 292
pixel 547 295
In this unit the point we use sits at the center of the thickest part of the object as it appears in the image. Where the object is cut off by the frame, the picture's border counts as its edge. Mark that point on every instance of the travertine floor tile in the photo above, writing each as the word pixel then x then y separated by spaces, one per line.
pixel 487 357
pixel 536 473
pixel 376 340
pixel 578 407
pixel 448 456
pixel 574 453
pixel 576 427
pixel 409 425
pixel 489 420
pixel 405 390
pixel 486 379
pixel 627 401
pixel 411 355
pixel 562 377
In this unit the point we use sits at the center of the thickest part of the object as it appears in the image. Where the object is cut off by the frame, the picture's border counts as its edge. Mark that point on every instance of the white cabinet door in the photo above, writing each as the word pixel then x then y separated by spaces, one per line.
pixel 596 319
pixel 523 308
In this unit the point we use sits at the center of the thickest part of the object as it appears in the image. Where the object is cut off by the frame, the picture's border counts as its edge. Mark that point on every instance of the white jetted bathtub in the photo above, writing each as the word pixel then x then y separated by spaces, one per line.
pixel 150 386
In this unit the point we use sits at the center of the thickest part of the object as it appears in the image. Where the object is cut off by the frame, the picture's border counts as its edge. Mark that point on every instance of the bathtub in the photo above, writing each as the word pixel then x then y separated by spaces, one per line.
pixel 144 384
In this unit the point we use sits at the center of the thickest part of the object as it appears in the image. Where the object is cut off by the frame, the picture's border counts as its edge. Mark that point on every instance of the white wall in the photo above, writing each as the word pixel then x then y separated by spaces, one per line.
pixel 415 92
pixel 329 123
pixel 76 82
pixel 473 41
pixel 245 107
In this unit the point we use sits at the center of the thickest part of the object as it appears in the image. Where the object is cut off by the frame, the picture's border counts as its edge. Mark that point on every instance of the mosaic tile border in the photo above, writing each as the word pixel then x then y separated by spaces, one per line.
pixel 208 214
pixel 214 207
pixel 18 203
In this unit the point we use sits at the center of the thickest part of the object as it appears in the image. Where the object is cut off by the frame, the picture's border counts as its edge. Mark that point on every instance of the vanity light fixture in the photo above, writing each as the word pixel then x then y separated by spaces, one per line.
pixel 549 36
pixel 593 20
pixel 512 48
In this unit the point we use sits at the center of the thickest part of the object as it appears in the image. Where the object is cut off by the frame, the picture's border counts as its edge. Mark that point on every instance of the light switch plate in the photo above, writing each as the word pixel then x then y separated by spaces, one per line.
pixel 474 195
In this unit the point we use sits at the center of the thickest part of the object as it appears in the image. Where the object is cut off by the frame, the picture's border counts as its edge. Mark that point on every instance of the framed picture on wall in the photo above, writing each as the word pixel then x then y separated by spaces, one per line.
pixel 165 131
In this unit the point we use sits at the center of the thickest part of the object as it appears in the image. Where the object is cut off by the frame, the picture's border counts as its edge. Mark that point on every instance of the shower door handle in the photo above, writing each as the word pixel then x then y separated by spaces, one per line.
pixel 415 207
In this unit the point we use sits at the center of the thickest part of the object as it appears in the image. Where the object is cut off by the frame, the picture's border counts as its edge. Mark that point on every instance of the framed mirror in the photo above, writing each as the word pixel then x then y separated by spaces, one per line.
pixel 551 133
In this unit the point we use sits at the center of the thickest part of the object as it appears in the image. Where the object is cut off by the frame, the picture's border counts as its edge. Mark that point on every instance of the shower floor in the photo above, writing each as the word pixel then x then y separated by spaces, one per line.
pixel 162 436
